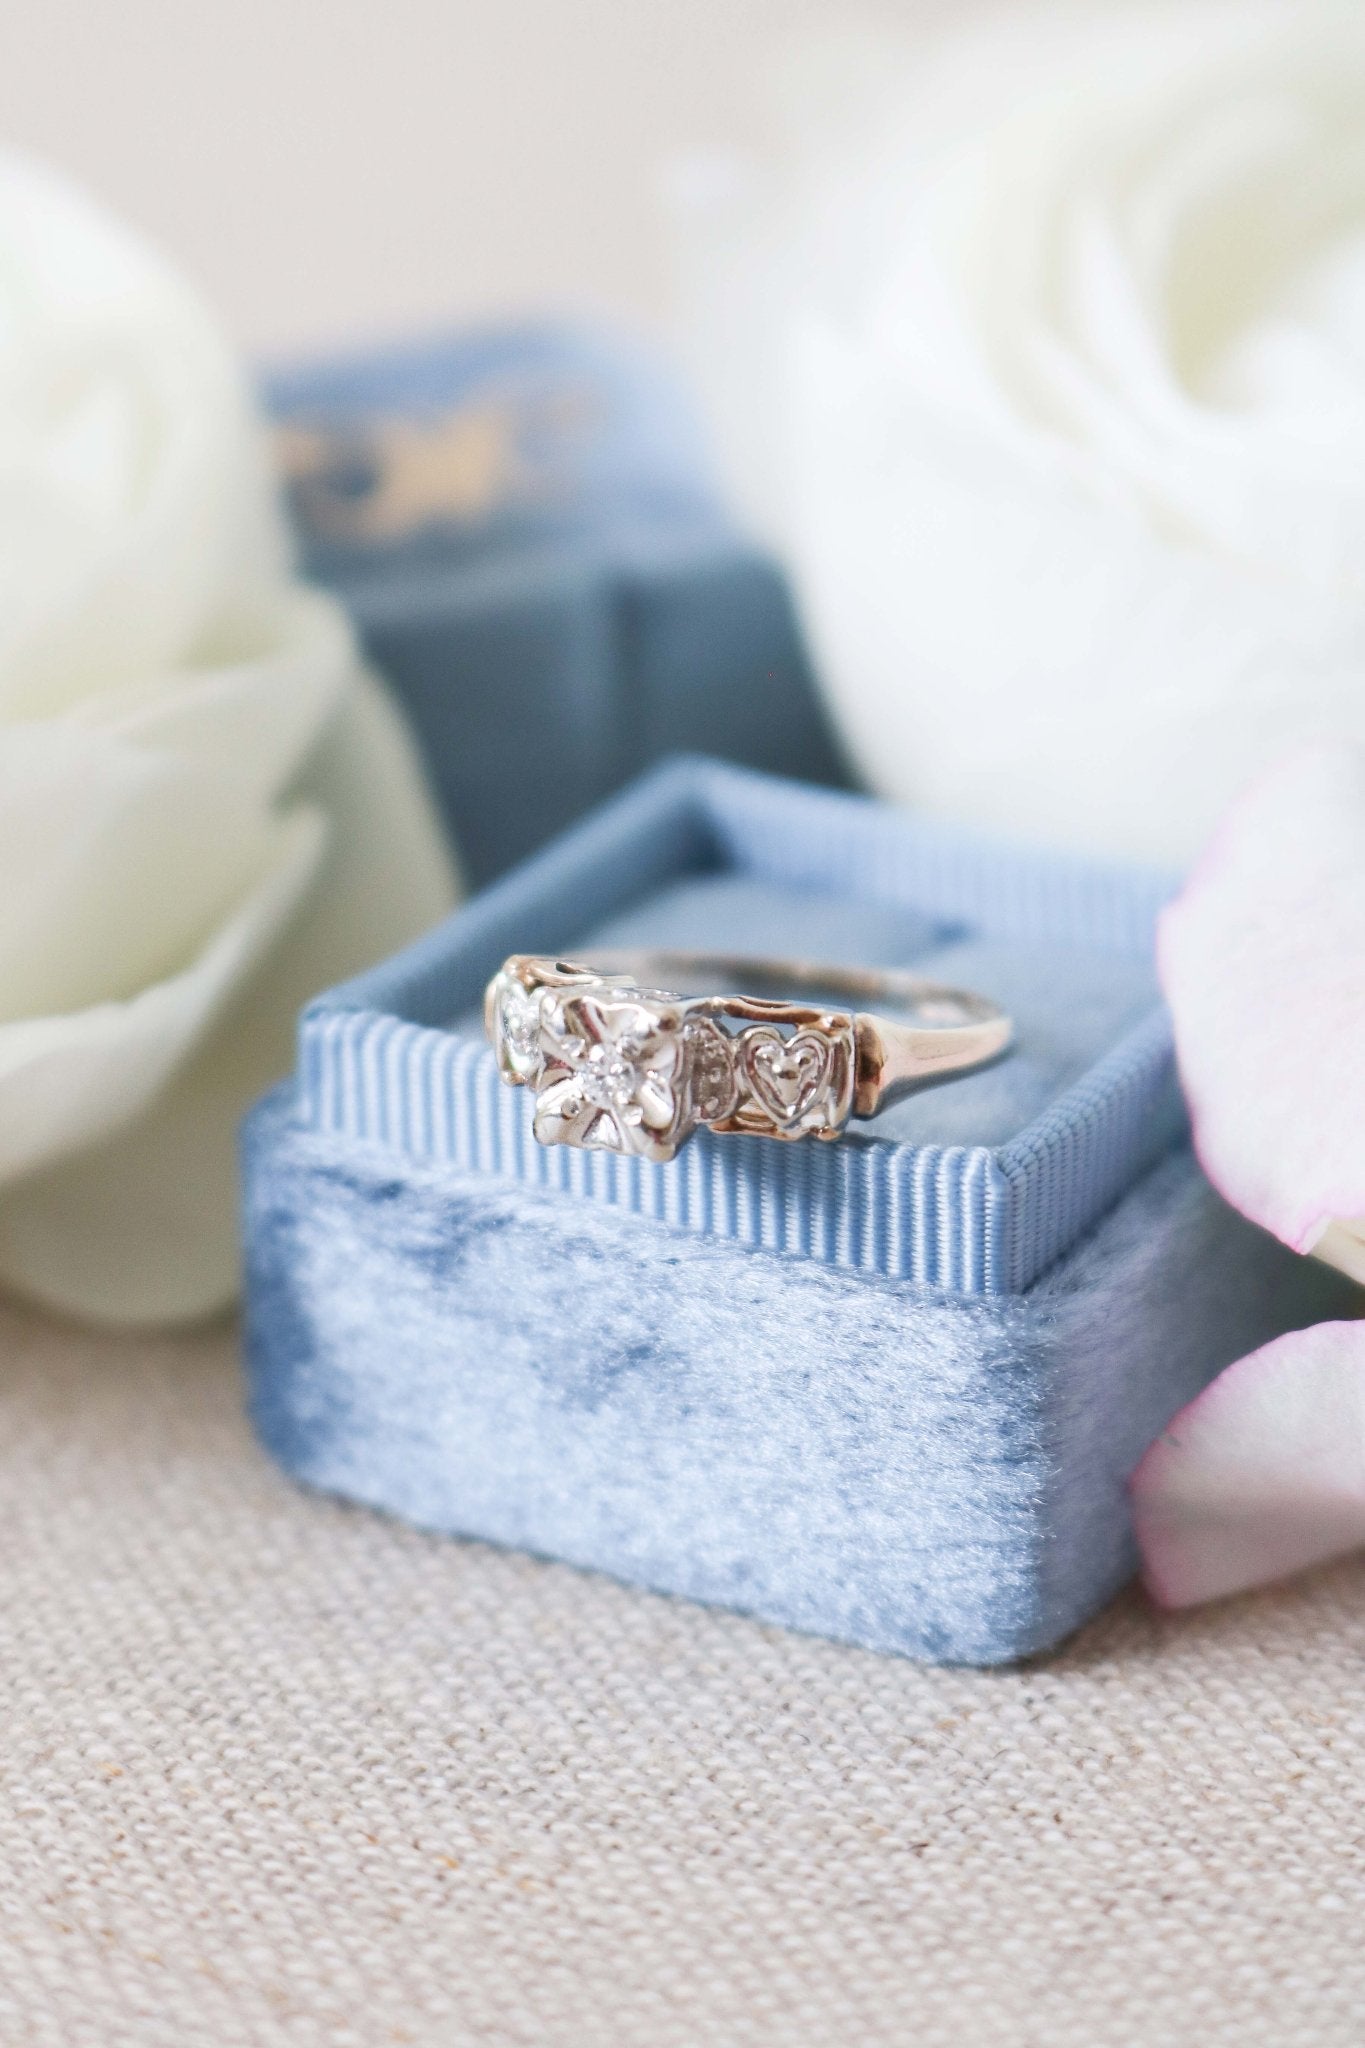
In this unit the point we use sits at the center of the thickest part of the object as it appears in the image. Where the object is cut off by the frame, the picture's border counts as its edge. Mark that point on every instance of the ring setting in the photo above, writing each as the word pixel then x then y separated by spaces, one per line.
pixel 621 1066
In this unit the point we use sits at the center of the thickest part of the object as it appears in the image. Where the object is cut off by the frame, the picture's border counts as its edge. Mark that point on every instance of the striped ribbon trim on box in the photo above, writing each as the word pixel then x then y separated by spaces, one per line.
pixel 378 1065
pixel 963 1219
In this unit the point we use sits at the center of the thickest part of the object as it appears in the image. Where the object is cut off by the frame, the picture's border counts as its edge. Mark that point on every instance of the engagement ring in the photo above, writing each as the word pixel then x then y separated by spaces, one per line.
pixel 621 1064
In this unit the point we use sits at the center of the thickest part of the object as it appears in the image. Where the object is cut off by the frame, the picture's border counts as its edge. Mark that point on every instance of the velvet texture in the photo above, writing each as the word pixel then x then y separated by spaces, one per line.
pixel 932 1474
pixel 712 1401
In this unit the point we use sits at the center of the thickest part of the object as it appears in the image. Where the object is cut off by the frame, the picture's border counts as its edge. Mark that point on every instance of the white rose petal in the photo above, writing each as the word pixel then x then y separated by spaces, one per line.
pixel 143 1227
pixel 278 673
pixel 207 810
pixel 69 1079
pixel 1058 403
pixel 134 488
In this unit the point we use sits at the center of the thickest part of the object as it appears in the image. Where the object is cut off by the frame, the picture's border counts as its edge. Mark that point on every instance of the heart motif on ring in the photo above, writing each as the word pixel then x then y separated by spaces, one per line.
pixel 786 1074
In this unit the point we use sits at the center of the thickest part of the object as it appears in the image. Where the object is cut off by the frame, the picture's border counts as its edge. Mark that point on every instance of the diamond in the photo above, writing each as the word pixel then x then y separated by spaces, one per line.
pixel 607 1079
pixel 611 1074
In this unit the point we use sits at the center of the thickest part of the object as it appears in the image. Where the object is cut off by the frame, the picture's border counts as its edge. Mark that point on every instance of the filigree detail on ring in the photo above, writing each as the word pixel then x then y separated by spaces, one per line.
pixel 713 1084
pixel 612 1074
pixel 621 1066
pixel 787 1076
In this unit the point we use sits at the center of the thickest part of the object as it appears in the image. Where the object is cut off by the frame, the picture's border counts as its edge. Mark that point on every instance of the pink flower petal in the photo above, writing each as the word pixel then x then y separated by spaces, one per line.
pixel 1262 1474
pixel 1263 962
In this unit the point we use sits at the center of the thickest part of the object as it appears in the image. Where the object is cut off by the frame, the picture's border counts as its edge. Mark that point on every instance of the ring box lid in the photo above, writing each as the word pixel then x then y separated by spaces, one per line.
pixel 460 448
pixel 523 524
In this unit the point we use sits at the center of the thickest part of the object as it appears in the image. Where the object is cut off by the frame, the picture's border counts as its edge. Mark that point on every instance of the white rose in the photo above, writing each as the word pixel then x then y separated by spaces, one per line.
pixel 1044 356
pixel 207 811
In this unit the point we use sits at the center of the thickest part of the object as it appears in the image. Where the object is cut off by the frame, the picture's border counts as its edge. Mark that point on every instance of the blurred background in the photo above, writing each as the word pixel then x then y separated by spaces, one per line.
pixel 345 172
pixel 960 403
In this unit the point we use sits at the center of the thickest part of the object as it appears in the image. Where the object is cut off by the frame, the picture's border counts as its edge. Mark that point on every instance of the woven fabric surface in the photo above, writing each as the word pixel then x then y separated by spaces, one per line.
pixel 277 1773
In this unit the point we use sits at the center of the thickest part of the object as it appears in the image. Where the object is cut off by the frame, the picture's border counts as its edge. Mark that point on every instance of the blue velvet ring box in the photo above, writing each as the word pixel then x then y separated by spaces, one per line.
pixel 888 1390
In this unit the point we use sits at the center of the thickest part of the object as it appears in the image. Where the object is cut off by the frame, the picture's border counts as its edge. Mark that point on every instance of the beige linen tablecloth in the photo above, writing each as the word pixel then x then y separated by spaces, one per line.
pixel 280 1772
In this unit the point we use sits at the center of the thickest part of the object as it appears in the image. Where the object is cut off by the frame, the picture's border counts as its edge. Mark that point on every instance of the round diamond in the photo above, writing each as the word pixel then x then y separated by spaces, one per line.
pixel 607 1078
